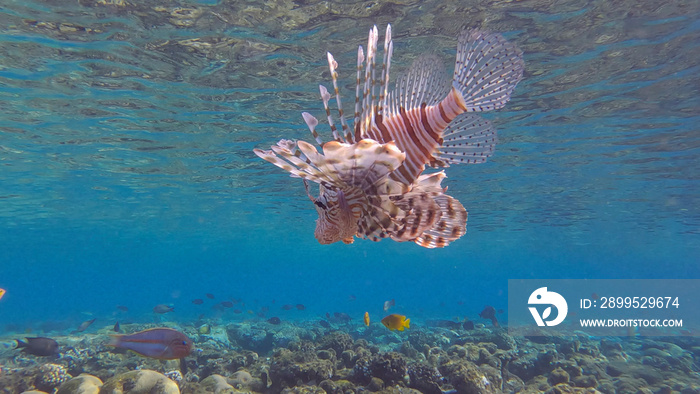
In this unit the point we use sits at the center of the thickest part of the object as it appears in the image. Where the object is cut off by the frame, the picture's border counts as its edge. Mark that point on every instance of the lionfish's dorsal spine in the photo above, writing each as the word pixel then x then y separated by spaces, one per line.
pixel 325 96
pixel 367 104
pixel 333 66
pixel 368 94
pixel 384 85
pixel 312 122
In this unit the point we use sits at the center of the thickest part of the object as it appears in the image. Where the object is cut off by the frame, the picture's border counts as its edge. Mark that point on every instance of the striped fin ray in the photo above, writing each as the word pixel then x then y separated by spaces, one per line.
pixel 368 103
pixel 469 138
pixel 487 70
pixel 435 219
pixel 386 63
pixel 296 164
pixel 312 122
pixel 333 67
pixel 451 226
pixel 422 212
pixel 426 82
pixel 358 89
pixel 325 96
pixel 365 164
pixel 379 219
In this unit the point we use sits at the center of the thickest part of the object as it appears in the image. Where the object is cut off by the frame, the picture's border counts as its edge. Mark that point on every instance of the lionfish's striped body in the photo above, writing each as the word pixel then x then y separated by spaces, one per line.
pixel 371 175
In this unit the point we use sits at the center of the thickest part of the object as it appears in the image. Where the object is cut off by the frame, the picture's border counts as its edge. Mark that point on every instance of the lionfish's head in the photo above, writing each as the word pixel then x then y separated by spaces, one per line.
pixel 335 219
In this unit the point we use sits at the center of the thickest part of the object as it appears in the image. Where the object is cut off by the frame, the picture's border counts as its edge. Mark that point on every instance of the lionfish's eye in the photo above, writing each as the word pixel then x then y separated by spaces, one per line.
pixel 319 204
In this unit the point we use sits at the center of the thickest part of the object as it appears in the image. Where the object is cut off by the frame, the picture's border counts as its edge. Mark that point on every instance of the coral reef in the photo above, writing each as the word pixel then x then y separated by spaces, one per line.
pixel 51 376
pixel 141 381
pixel 81 384
pixel 216 384
pixel 258 357
pixel 289 368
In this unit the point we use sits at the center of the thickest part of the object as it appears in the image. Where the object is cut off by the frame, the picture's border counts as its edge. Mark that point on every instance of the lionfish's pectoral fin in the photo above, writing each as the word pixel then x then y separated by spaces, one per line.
pixel 468 139
pixel 451 226
pixel 433 218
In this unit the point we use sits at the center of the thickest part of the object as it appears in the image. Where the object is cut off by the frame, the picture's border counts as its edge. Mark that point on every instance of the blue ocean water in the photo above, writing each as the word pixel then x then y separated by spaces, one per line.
pixel 127 173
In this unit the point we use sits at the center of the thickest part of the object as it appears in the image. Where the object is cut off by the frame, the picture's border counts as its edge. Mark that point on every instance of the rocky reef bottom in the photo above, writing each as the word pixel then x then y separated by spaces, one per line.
pixel 304 357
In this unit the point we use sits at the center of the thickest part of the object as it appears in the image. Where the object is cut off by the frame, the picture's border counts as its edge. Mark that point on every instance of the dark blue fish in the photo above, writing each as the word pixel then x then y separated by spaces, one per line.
pixel 39 346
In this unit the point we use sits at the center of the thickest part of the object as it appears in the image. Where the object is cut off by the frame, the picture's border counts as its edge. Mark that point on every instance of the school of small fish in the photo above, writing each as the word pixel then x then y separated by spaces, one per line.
pixel 370 176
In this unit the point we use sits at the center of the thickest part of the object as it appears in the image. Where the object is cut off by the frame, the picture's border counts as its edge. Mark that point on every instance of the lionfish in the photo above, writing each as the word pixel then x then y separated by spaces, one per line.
pixel 370 176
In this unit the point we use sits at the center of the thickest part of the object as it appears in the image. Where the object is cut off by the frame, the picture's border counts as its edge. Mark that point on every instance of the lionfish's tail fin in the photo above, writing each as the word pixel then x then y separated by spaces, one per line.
pixel 487 70
pixel 469 138
pixel 433 218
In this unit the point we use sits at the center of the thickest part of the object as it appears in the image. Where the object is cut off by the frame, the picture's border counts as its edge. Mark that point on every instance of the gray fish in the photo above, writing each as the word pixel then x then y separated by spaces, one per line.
pixel 453 325
pixel 39 346
pixel 84 325
pixel 162 308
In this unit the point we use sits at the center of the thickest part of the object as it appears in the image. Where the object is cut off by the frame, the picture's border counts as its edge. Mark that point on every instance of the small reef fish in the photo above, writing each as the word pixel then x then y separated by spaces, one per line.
pixel 158 343
pixel 116 327
pixel 489 312
pixel 287 307
pixel 210 296
pixel 198 301
pixel 274 320
pixel 227 304
pixel 324 324
pixel 452 325
pixel 468 325
pixel 396 322
pixel 2 293
pixel 366 319
pixel 122 308
pixel 370 175
pixel 84 325
pixel 300 307
pixel 237 311
pixel 162 308
pixel 38 346
pixel 389 304
pixel 352 297
pixel 340 317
